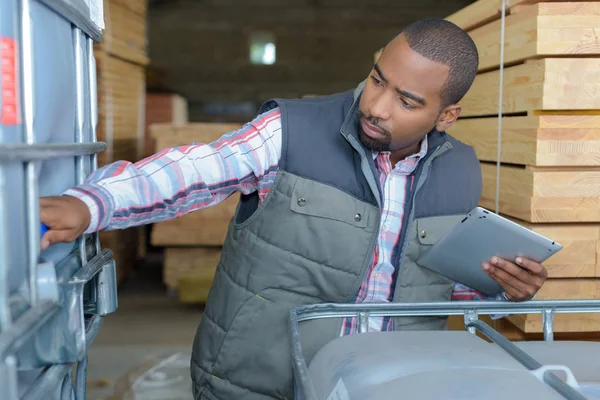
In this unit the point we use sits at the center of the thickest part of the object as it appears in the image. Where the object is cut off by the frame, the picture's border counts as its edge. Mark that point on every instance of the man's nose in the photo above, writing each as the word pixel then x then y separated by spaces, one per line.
pixel 380 107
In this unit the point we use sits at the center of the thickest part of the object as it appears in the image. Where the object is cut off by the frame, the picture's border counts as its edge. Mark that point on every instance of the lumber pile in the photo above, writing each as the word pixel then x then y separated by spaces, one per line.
pixel 163 108
pixel 550 159
pixel 192 242
pixel 121 59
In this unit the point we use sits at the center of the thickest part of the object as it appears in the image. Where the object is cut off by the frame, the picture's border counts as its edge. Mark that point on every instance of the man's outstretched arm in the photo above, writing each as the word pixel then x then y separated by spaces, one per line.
pixel 169 184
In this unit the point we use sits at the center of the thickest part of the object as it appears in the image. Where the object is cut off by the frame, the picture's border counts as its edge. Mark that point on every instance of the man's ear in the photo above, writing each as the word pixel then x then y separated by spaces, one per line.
pixel 447 117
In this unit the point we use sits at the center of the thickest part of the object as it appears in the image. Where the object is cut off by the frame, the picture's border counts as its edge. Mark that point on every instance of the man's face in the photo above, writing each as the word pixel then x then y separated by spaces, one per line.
pixel 401 102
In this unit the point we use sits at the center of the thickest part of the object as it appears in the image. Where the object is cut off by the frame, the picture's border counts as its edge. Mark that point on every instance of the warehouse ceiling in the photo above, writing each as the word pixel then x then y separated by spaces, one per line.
pixel 201 48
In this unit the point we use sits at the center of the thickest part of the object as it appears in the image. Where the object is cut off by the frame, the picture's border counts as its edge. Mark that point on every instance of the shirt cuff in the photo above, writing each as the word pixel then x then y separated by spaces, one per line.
pixel 99 203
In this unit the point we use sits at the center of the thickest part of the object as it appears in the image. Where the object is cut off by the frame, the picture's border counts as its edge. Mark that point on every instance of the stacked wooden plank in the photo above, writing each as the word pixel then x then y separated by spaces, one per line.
pixel 163 108
pixel 125 34
pixel 193 242
pixel 121 59
pixel 550 135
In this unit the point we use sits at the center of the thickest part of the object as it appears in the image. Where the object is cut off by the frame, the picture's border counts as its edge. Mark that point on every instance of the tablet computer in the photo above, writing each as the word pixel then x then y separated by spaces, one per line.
pixel 481 235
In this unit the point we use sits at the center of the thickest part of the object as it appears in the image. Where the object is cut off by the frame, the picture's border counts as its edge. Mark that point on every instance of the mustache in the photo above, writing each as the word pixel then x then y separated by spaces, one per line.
pixel 373 121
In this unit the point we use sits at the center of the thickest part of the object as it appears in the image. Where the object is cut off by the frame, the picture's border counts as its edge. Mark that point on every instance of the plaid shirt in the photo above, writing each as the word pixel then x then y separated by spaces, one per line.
pixel 183 179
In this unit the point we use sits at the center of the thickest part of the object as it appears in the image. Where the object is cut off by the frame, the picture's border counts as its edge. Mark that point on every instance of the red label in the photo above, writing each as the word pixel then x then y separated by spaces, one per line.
pixel 8 66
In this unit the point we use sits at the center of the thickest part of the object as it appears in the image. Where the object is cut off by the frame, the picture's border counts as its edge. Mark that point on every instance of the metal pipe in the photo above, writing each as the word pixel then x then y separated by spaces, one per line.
pixel 548 323
pixel 304 385
pixel 5 316
pixel 46 382
pixel 91 269
pixel 79 123
pixel 528 362
pixel 10 153
pixel 363 322
pixel 33 223
pixel 93 98
pixel 80 389
pixel 329 310
pixel 67 387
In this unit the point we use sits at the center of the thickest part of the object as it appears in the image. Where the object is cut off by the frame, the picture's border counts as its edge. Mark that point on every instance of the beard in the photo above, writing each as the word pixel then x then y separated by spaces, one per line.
pixel 383 144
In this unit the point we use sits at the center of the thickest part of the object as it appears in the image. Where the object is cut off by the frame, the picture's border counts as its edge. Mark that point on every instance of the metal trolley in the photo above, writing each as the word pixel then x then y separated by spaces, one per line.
pixel 52 303
pixel 352 357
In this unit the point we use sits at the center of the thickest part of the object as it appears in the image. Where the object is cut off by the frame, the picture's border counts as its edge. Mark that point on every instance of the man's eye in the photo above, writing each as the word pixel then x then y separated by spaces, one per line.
pixel 406 104
pixel 377 81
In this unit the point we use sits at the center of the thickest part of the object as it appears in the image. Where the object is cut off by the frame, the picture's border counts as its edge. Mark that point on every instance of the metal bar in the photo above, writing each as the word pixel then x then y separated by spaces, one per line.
pixel 333 310
pixel 5 317
pixel 31 189
pixel 46 382
pixel 26 326
pixel 33 230
pixel 528 362
pixel 363 322
pixel 91 269
pixel 470 315
pixel 327 310
pixel 79 122
pixel 67 387
pixel 93 99
pixel 80 384
pixel 40 152
pixel 11 377
pixel 548 322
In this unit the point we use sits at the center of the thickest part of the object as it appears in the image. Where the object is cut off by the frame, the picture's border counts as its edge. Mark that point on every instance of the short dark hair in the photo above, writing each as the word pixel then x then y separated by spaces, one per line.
pixel 444 42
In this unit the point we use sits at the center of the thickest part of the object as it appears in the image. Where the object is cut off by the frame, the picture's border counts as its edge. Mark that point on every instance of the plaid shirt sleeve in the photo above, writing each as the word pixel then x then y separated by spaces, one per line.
pixel 179 180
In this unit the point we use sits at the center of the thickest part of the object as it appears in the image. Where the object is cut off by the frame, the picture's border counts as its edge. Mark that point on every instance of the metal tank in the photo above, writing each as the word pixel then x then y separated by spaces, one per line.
pixel 51 303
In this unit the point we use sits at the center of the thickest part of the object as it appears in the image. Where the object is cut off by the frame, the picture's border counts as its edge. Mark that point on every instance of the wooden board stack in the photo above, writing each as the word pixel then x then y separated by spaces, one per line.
pixel 550 135
pixel 193 242
pixel 163 108
pixel 121 59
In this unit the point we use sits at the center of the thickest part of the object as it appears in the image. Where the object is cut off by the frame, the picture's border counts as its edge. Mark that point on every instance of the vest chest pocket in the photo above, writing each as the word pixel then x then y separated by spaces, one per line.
pixel 430 230
pixel 319 200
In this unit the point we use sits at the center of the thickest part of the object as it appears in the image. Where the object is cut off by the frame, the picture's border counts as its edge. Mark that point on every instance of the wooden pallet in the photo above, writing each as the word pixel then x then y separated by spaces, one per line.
pixel 538 140
pixel 140 7
pixel 121 112
pixel 483 12
pixel 550 164
pixel 564 84
pixel 540 30
pixel 166 108
pixel 543 194
pixel 125 35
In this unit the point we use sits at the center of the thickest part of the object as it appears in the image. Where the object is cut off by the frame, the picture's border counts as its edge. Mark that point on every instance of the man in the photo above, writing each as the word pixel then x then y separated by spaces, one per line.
pixel 340 195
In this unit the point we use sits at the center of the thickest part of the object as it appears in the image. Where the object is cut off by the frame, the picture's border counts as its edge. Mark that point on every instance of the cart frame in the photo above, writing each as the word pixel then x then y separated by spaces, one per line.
pixel 471 310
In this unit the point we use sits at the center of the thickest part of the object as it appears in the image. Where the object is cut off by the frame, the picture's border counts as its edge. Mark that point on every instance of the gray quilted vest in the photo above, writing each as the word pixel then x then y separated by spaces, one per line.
pixel 311 241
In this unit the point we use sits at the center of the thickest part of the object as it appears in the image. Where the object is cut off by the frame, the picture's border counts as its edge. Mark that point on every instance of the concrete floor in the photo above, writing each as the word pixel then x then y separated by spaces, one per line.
pixel 149 323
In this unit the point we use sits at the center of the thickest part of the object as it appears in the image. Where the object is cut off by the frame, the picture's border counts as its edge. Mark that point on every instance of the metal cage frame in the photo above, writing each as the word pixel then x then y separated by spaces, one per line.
pixel 471 310
pixel 97 275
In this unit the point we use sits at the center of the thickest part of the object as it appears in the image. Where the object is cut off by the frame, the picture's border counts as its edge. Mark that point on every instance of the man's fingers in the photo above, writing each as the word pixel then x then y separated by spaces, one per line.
pixel 513 285
pixel 529 278
pixel 534 267
pixel 57 236
pixel 511 292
